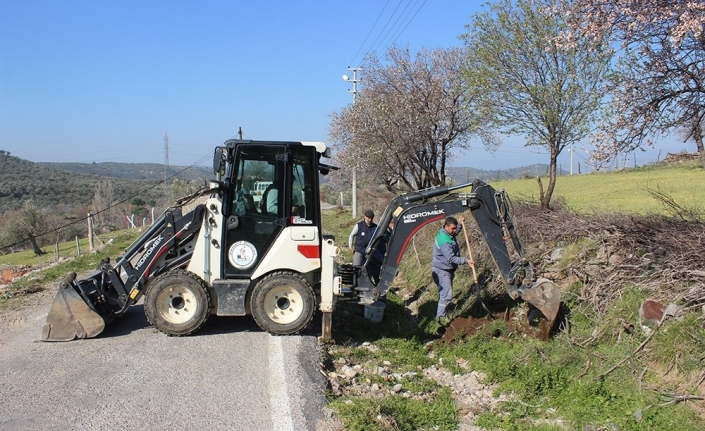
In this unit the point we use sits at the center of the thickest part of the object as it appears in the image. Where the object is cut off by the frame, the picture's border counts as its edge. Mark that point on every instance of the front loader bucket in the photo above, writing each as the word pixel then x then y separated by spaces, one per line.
pixel 70 317
pixel 545 296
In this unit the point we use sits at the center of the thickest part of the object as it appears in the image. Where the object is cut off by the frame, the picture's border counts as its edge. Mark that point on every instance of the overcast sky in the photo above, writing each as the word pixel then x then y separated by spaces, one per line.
pixel 94 81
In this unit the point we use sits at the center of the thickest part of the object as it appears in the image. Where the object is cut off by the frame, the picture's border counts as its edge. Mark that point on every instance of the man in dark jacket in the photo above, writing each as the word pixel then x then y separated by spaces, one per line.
pixel 445 260
pixel 374 267
pixel 361 234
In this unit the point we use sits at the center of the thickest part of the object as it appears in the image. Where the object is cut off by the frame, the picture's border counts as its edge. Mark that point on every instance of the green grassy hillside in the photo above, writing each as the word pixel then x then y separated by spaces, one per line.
pixel 628 191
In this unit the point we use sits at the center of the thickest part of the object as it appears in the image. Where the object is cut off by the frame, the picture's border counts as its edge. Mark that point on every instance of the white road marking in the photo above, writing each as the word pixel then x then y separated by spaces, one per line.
pixel 278 390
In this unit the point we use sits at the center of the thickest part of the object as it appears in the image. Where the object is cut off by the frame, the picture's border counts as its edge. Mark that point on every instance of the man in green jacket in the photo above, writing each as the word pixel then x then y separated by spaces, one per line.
pixel 445 260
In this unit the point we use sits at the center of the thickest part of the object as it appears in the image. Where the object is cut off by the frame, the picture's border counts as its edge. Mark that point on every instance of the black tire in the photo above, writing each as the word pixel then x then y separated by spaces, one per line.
pixel 282 303
pixel 177 303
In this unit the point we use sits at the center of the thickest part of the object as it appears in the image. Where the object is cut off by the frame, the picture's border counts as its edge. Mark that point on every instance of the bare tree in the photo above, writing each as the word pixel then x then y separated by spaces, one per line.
pixel 660 86
pixel 103 201
pixel 531 86
pixel 409 118
pixel 29 225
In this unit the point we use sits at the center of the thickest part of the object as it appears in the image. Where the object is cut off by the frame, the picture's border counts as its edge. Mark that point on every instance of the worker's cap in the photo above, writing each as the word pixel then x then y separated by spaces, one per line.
pixel 369 214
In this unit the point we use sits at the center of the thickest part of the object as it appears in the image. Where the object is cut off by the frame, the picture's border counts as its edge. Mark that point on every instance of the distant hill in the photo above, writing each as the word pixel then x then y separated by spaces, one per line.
pixel 63 186
pixel 466 174
pixel 138 171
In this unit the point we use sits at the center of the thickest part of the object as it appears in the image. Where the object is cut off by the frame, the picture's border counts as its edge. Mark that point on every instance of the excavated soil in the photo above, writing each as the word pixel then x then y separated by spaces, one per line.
pixel 462 327
pixel 499 308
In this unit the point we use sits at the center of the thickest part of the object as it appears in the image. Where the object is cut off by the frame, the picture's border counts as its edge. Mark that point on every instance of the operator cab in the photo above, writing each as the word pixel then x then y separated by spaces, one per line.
pixel 271 186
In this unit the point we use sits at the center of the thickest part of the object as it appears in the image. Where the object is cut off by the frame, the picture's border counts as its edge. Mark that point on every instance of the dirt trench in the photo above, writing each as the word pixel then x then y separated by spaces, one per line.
pixel 461 328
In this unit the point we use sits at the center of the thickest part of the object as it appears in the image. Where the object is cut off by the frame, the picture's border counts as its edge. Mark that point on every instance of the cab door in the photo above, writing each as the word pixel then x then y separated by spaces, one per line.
pixel 254 217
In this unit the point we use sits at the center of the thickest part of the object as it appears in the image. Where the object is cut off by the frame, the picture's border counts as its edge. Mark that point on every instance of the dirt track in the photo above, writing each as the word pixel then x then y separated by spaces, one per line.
pixel 229 376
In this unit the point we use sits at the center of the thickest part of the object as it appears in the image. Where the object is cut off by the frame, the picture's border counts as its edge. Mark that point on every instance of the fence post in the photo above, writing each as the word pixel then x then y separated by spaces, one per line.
pixel 131 221
pixel 78 248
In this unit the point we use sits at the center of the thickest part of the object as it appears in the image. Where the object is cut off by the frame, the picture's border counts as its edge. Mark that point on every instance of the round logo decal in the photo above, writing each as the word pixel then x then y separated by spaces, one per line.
pixel 242 255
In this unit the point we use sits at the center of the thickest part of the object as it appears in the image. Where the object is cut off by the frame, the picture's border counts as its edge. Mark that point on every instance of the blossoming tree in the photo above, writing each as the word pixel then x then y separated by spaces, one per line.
pixel 660 84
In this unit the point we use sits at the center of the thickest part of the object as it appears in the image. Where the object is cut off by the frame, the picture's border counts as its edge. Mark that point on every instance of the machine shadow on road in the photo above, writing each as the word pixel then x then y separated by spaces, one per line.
pixel 233 324
pixel 133 320
pixel 227 324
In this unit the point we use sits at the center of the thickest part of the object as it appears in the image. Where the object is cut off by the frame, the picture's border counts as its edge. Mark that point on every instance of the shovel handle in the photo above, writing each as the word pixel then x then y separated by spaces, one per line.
pixel 472 261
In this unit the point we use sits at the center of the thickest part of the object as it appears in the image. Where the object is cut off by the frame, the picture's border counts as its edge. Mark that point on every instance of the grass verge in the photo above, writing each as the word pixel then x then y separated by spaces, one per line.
pixel 601 372
pixel 51 271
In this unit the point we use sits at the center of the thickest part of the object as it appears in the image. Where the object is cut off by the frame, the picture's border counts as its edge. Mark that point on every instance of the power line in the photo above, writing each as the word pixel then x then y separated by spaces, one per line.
pixel 369 33
pixel 392 29
pixel 384 28
pixel 399 23
pixel 407 24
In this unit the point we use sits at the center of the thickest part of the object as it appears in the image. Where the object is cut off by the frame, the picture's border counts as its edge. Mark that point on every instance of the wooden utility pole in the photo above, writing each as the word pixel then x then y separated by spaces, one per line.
pixel 91 244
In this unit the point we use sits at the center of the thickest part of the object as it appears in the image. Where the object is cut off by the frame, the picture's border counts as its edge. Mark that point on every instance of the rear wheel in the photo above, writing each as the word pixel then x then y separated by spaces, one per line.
pixel 282 303
pixel 177 303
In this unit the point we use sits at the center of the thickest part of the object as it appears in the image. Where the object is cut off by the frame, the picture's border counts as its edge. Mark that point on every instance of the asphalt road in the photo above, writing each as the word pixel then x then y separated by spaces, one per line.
pixel 228 376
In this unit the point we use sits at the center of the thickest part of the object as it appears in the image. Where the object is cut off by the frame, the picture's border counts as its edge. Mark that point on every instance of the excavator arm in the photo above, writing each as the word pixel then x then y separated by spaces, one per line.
pixel 492 212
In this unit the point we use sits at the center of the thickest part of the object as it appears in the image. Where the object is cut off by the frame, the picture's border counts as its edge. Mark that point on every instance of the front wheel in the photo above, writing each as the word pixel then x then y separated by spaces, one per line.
pixel 177 303
pixel 282 303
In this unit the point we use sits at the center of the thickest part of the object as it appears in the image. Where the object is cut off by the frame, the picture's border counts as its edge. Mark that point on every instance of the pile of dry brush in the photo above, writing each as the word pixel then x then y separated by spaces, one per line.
pixel 665 255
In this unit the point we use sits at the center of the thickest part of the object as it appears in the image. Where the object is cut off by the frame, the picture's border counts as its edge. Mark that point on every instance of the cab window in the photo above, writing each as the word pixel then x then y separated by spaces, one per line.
pixel 302 187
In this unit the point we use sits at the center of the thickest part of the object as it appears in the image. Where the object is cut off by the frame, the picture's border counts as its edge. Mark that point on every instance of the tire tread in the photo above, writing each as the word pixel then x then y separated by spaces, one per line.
pixel 178 273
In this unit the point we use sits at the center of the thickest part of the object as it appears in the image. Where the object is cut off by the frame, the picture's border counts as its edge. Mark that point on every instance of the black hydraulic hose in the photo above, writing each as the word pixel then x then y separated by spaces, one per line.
pixel 424 194
pixel 175 263
pixel 505 208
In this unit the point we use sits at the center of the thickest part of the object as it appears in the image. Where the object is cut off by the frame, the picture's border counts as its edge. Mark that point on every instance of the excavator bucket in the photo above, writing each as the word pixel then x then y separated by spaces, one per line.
pixel 70 317
pixel 545 296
